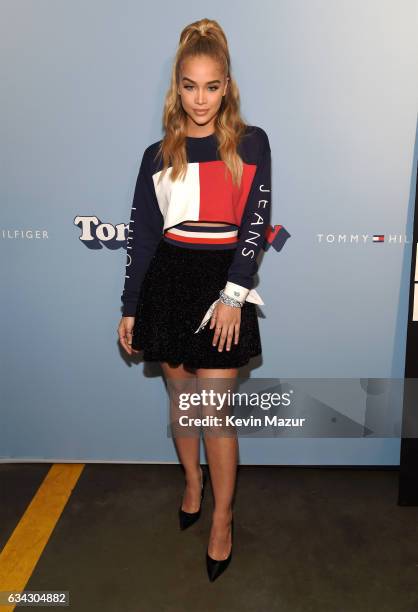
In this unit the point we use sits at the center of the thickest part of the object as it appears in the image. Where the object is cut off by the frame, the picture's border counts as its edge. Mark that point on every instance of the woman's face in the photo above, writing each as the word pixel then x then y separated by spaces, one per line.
pixel 201 87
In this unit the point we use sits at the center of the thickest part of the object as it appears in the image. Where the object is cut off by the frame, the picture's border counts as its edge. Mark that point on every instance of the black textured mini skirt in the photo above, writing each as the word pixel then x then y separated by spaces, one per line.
pixel 182 281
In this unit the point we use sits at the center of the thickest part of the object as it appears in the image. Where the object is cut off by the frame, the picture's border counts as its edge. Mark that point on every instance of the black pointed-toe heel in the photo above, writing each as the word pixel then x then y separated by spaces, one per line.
pixel 217 567
pixel 187 519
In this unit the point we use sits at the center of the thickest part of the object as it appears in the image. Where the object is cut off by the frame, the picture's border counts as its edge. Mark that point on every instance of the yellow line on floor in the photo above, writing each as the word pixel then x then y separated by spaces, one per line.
pixel 24 547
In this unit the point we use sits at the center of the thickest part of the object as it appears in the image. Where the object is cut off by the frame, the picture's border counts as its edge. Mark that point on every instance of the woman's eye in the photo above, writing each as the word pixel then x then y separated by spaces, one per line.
pixel 211 87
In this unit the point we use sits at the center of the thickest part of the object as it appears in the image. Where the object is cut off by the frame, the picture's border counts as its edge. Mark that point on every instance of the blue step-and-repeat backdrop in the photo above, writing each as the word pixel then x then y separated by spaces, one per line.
pixel 334 84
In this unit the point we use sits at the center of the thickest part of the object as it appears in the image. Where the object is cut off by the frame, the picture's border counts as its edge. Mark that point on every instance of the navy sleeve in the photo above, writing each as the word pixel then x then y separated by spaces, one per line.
pixel 144 233
pixel 254 222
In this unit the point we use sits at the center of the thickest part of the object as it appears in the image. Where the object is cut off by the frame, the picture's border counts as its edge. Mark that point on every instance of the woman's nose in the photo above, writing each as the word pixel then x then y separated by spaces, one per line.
pixel 200 97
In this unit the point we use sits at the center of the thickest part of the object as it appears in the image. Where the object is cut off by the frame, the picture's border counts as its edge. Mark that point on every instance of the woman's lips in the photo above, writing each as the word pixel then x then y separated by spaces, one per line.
pixel 200 112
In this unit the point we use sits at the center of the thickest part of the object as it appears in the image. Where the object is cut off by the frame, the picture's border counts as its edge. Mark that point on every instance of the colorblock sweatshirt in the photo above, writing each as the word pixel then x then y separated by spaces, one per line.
pixel 205 194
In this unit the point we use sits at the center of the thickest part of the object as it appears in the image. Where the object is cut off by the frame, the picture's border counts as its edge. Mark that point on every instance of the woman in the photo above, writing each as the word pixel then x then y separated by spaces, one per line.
pixel 199 215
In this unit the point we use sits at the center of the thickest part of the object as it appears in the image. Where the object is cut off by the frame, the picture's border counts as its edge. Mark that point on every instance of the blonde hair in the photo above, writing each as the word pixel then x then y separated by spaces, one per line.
pixel 203 37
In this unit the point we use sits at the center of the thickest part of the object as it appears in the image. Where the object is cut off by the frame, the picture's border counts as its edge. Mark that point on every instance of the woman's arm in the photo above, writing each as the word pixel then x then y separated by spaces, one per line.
pixel 144 233
pixel 254 222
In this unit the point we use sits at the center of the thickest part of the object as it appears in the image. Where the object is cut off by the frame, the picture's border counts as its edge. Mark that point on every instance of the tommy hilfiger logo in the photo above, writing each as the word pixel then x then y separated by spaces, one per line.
pixel 276 237
pixel 95 234
pixel 362 238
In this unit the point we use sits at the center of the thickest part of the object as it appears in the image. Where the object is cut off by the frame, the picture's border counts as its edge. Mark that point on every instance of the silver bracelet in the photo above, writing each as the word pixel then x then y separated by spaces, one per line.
pixel 226 299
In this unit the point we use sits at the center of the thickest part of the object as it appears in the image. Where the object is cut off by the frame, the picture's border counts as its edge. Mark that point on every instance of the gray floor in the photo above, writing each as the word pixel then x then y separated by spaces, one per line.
pixel 306 539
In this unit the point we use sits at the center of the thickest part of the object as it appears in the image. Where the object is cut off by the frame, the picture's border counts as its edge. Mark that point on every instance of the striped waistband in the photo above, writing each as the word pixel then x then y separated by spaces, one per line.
pixel 203 236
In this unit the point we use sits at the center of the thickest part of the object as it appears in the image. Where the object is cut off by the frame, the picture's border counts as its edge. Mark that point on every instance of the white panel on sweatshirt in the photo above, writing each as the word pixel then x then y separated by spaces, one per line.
pixel 178 200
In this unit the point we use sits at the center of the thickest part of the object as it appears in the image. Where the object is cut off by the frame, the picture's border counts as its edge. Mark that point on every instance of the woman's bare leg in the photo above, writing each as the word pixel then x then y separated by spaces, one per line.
pixel 188 447
pixel 222 454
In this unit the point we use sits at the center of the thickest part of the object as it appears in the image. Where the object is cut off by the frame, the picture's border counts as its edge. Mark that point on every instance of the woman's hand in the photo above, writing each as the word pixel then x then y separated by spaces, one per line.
pixel 226 320
pixel 125 328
